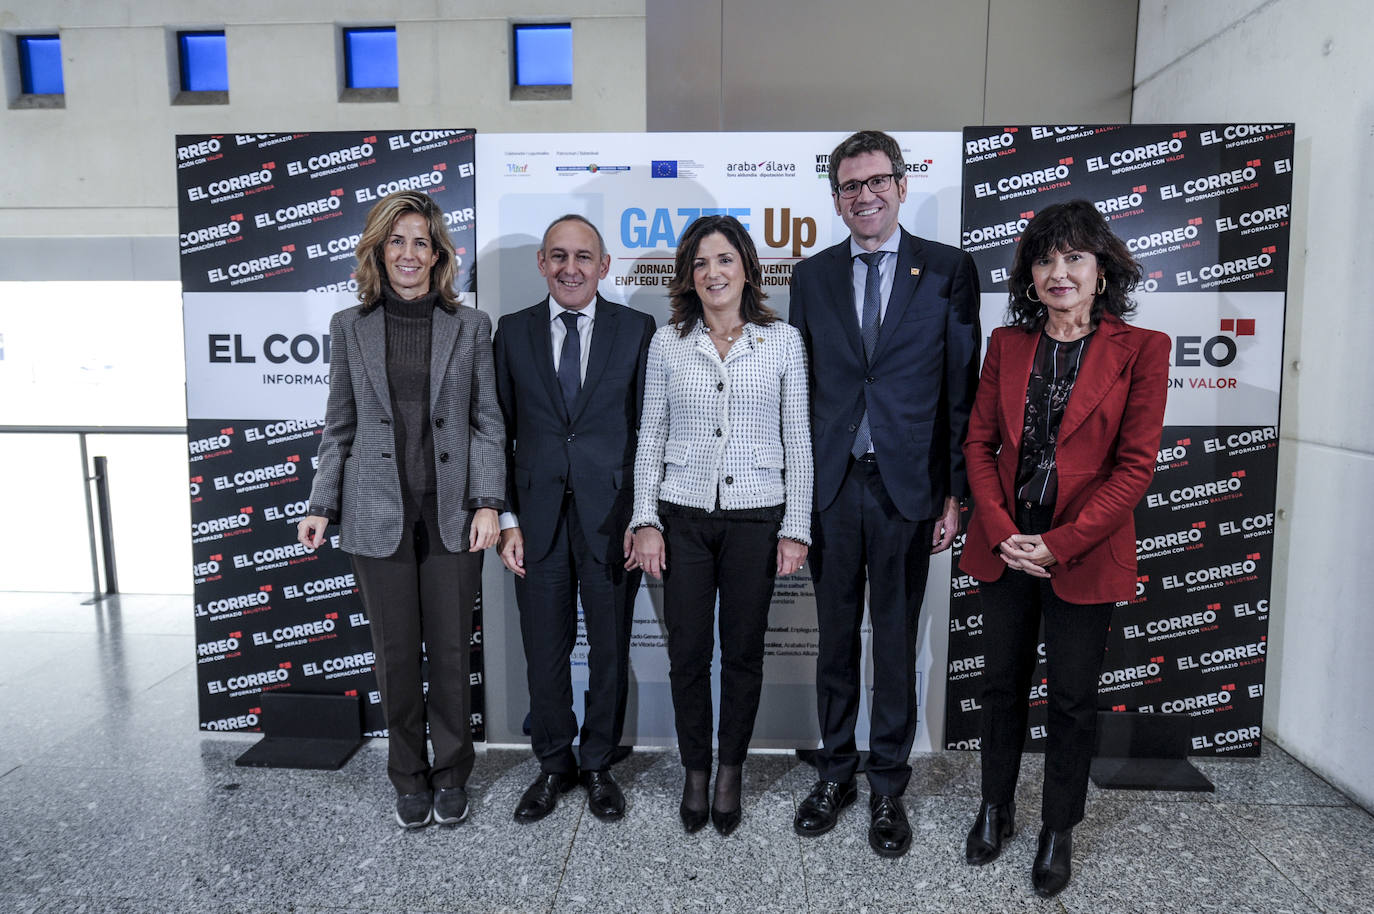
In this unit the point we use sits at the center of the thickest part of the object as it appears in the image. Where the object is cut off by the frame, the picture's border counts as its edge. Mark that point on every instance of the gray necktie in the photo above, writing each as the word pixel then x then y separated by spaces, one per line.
pixel 873 302
pixel 570 361
pixel 868 330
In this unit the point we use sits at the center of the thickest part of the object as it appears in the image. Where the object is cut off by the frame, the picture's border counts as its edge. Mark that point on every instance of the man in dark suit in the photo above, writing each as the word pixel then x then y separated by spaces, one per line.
pixel 891 327
pixel 570 374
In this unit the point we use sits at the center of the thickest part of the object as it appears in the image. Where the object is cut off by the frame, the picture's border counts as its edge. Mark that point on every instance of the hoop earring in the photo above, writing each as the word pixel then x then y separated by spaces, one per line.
pixel 1030 293
pixel 1101 284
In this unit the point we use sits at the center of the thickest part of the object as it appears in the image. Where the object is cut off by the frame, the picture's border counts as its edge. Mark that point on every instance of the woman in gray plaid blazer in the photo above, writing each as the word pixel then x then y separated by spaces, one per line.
pixel 722 494
pixel 412 467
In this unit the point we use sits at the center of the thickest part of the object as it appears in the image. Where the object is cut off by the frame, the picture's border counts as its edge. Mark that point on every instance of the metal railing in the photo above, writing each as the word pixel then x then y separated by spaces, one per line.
pixel 101 478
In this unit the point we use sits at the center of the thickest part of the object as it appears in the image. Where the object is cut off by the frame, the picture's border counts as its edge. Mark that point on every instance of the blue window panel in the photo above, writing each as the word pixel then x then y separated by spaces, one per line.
pixel 370 58
pixel 543 55
pixel 204 63
pixel 40 64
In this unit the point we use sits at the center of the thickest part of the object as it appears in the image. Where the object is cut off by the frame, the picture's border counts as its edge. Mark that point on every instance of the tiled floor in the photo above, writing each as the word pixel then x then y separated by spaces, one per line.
pixel 111 800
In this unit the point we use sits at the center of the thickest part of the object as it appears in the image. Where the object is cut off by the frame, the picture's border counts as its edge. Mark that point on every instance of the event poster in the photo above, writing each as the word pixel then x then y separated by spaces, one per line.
pixel 1205 209
pixel 268 226
pixel 642 190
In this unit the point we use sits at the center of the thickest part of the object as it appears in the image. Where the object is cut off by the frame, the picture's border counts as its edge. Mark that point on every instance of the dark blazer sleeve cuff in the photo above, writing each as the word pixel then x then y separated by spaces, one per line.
pixel 329 514
pixel 498 503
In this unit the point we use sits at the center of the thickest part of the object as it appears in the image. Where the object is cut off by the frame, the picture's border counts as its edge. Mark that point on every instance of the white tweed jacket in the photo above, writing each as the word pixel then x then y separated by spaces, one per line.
pixel 733 433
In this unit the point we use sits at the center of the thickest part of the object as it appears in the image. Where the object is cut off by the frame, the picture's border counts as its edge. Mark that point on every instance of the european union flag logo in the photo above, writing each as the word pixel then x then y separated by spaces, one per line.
pixel 664 168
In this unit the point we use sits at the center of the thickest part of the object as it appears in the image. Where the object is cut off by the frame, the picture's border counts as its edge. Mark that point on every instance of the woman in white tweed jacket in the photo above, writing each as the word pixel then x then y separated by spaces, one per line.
pixel 412 467
pixel 722 494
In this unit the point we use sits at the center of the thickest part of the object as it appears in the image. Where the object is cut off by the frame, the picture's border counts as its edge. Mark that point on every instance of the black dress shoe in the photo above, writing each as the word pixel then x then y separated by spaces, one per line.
pixel 604 798
pixel 889 833
pixel 540 798
pixel 818 813
pixel 725 822
pixel 1052 869
pixel 995 823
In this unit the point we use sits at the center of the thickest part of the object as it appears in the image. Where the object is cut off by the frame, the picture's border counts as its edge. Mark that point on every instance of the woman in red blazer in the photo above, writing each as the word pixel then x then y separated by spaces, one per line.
pixel 1060 449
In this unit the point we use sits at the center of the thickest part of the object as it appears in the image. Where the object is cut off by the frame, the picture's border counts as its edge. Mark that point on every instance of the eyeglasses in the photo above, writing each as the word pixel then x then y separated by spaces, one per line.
pixel 877 184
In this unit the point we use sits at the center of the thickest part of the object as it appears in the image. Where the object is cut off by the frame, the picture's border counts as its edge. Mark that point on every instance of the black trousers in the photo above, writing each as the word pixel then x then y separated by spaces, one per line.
pixel 1075 639
pixel 737 559
pixel 547 597
pixel 420 600
pixel 863 538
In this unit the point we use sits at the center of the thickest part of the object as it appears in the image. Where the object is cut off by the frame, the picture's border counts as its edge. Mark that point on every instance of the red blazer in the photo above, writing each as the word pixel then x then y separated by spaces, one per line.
pixel 1108 444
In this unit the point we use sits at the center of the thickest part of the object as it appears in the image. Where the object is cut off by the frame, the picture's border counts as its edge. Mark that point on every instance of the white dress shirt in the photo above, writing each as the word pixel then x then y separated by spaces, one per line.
pixel 887 271
pixel 586 323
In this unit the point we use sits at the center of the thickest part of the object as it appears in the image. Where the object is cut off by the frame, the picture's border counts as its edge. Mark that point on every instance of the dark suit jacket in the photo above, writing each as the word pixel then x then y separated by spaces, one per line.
pixel 357 480
pixel 919 389
pixel 1106 452
pixel 594 448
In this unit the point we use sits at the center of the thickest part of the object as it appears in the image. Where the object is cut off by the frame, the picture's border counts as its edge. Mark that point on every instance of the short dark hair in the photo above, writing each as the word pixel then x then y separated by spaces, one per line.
pixel 682 291
pixel 573 217
pixel 859 143
pixel 1072 226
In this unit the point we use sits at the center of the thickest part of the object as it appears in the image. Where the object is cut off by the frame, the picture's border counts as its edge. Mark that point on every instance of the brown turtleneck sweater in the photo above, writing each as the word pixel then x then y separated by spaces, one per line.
pixel 408 330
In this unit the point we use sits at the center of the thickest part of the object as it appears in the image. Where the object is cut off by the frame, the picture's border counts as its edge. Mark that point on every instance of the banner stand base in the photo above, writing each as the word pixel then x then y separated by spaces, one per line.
pixel 1149 774
pixel 1137 751
pixel 317 732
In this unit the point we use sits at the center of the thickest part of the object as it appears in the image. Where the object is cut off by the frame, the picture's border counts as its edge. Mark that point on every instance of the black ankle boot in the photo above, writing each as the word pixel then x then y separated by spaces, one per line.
pixel 994 824
pixel 1052 869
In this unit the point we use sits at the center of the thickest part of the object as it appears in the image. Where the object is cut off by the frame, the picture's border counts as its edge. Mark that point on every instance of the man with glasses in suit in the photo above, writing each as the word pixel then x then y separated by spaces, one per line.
pixel 890 322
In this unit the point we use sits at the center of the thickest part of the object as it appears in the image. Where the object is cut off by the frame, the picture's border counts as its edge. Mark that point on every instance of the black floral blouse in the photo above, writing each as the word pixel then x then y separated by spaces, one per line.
pixel 1047 395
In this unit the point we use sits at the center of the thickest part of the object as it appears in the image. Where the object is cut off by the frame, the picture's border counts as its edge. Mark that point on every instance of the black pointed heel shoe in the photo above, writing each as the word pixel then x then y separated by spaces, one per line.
pixel 692 810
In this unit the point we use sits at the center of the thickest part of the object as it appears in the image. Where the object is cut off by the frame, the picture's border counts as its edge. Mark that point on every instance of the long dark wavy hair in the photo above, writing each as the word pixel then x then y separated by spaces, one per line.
pixel 1072 226
pixel 682 291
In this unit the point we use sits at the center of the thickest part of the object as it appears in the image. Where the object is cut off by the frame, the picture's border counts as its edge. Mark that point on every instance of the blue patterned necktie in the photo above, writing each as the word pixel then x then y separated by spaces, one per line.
pixel 570 361
pixel 868 330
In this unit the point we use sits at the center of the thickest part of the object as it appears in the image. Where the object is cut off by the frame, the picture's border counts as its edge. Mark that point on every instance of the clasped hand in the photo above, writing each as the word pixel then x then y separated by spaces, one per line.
pixel 1026 552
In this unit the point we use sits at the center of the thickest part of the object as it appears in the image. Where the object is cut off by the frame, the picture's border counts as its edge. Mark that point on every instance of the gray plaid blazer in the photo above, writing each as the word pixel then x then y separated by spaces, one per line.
pixel 357 478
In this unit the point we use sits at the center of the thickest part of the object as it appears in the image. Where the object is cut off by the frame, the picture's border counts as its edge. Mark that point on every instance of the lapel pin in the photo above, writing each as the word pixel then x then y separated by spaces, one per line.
pixel 915 271
pixel 759 339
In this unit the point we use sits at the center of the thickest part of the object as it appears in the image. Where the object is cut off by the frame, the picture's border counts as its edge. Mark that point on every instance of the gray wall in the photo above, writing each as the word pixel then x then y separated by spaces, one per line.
pixel 98 172
pixel 891 64
pixel 1307 61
